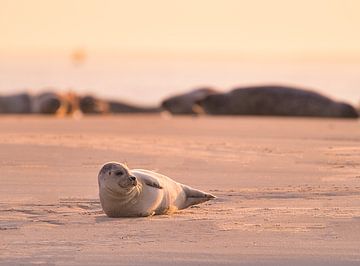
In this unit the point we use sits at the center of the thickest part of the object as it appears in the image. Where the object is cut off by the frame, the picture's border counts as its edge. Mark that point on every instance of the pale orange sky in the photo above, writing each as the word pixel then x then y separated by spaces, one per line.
pixel 281 27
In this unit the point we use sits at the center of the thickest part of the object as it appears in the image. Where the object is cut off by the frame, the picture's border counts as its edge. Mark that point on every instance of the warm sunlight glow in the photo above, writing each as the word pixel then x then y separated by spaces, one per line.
pixel 326 27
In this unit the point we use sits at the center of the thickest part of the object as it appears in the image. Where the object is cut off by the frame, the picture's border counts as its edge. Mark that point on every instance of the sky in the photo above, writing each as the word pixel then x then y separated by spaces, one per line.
pixel 234 27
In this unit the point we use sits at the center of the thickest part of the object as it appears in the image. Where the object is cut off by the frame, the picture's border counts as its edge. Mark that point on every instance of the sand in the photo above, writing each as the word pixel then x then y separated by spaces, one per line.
pixel 288 191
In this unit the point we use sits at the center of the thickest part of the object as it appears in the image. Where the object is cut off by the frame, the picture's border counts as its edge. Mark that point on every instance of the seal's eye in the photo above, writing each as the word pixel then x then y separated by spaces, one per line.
pixel 119 173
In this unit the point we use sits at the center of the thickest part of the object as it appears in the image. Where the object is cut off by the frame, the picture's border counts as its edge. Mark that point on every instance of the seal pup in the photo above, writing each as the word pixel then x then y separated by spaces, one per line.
pixel 275 101
pixel 130 193
pixel 184 104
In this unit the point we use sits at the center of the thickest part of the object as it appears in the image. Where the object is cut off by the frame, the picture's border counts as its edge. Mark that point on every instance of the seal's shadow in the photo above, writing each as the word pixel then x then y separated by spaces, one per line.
pixel 106 219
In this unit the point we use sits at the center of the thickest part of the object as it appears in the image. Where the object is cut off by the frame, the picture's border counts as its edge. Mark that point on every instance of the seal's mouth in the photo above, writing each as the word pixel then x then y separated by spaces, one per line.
pixel 130 182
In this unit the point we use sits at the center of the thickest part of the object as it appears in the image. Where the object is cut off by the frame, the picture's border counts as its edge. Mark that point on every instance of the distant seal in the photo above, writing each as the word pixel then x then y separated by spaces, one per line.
pixel 89 104
pixel 275 101
pixel 15 104
pixel 125 193
pixel 185 103
pixel 46 103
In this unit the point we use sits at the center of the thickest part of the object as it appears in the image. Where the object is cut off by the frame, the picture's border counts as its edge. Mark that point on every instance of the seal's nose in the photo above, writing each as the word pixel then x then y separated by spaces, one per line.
pixel 133 179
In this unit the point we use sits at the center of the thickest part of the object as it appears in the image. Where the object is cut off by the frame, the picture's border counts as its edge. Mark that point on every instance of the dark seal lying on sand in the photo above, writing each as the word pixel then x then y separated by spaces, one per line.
pixel 49 102
pixel 275 101
pixel 46 103
pixel 16 104
pixel 89 104
pixel 24 103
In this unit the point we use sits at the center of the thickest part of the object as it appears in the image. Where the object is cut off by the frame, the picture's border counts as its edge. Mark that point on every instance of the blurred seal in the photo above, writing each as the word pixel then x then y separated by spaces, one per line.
pixel 275 101
pixel 46 103
pixel 16 104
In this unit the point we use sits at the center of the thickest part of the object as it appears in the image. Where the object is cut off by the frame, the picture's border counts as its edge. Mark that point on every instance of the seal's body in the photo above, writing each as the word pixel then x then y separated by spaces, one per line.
pixel 15 104
pixel 24 103
pixel 275 101
pixel 125 193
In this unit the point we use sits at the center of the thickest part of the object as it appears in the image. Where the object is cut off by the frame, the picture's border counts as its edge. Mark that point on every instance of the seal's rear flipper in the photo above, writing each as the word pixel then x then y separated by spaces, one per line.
pixel 194 196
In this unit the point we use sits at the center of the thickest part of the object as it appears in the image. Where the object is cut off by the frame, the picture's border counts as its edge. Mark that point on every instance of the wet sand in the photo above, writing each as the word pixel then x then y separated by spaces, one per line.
pixel 288 191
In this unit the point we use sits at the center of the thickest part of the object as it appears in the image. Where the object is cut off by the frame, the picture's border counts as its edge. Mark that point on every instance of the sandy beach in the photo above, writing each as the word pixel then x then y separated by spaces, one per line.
pixel 288 191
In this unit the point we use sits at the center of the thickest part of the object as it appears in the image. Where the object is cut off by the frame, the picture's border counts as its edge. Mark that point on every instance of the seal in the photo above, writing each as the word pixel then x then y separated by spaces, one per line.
pixel 46 103
pixel 183 104
pixel 275 101
pixel 89 104
pixel 130 193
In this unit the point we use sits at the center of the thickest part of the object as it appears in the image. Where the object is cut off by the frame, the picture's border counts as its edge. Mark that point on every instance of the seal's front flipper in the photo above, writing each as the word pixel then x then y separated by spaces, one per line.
pixel 152 183
pixel 194 196
pixel 148 180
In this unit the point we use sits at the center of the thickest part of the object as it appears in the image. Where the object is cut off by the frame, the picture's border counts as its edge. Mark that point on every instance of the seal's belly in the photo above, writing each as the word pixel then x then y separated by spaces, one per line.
pixel 149 200
pixel 166 197
pixel 172 199
pixel 160 201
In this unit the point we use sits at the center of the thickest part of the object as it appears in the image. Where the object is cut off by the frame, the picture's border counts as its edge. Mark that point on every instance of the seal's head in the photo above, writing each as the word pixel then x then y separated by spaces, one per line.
pixel 116 177
pixel 48 103
pixel 91 105
pixel 214 104
pixel 184 103
pixel 177 105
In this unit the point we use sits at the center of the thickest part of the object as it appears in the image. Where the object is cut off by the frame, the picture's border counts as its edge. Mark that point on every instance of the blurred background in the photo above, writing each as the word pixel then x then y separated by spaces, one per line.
pixel 143 51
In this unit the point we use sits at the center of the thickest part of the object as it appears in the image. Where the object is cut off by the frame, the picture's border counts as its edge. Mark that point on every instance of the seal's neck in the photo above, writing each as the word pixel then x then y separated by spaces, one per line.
pixel 124 196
